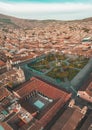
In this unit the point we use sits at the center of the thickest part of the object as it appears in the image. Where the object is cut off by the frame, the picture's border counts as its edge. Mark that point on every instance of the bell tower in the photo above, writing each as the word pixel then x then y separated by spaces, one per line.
pixel 8 65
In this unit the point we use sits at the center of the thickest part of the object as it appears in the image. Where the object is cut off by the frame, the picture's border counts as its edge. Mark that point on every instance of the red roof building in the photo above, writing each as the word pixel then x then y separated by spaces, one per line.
pixel 70 118
pixel 1 63
pixel 86 91
pixel 43 98
pixel 5 126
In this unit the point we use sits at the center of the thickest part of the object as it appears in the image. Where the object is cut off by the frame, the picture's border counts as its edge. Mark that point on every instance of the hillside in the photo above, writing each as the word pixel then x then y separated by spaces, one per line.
pixel 27 23
pixel 22 23
pixel 13 22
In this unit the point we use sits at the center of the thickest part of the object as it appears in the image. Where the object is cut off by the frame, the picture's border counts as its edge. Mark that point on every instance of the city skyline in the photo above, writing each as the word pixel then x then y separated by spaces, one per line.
pixel 48 9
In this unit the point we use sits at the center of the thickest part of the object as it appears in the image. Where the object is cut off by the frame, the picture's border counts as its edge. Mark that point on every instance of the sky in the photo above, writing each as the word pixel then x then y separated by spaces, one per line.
pixel 47 9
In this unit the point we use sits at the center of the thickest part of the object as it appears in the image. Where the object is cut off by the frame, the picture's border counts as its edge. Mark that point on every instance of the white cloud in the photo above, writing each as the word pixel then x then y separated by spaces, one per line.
pixel 37 11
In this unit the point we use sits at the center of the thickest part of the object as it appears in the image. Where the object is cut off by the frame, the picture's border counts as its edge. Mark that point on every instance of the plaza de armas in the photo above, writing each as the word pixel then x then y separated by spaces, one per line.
pixel 60 69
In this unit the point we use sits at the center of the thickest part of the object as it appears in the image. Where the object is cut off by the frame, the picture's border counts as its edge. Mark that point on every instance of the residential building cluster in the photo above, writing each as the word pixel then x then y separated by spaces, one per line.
pixel 69 37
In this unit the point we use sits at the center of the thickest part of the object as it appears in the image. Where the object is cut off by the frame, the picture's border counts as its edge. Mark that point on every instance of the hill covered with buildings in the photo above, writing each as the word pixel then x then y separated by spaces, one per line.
pixel 45 74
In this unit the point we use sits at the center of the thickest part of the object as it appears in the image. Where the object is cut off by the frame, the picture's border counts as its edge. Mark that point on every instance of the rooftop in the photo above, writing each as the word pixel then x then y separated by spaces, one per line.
pixel 43 87
pixel 86 83
pixel 87 123
pixel 1 63
pixel 5 126
pixel 35 97
pixel 89 89
pixel 86 91
pixel 4 93
pixel 68 120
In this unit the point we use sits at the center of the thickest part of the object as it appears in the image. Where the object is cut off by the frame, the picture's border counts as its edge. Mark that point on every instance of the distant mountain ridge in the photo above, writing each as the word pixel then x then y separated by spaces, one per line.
pixel 6 20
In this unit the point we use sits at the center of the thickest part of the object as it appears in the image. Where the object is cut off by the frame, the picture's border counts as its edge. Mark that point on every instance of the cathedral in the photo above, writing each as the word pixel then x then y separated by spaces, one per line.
pixel 13 76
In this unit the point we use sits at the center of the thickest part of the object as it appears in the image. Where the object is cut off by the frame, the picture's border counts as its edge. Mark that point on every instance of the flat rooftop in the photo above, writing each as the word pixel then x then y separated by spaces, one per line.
pixel 87 123
pixel 68 120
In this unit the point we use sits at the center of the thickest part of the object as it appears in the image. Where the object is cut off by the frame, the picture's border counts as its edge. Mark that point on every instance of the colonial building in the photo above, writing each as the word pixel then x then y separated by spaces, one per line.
pixel 12 77
pixel 86 91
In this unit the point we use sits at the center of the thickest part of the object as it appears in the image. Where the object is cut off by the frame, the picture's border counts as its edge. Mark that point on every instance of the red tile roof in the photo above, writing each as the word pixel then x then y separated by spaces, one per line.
pixel 48 90
pixel 89 89
pixel 1 63
pixel 42 86
pixel 4 93
pixel 5 126
pixel 68 120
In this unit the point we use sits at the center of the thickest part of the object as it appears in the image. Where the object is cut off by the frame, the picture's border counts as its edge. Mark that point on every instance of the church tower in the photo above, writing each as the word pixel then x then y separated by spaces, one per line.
pixel 8 65
pixel 21 76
